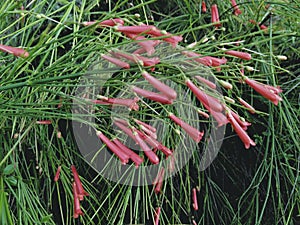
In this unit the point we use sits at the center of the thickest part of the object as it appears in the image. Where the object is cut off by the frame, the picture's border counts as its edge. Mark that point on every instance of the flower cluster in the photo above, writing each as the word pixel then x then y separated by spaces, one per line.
pixel 214 106
pixel 203 88
pixel 78 190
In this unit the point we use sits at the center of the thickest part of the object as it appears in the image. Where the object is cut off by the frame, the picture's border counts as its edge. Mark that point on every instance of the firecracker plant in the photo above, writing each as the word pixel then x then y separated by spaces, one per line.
pixel 91 88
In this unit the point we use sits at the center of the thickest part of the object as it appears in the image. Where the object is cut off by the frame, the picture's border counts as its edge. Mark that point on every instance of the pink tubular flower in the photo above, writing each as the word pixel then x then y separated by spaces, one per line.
pixel 156 217
pixel 195 134
pixel 19 52
pixel 240 132
pixel 215 16
pixel 148 61
pixel 146 29
pixel 194 222
pixel 147 45
pixel 243 124
pixel 203 7
pixel 207 82
pixel 164 89
pixel 247 105
pixel 208 101
pixel 219 117
pixel 154 143
pixel 195 201
pixel 130 103
pixel 133 156
pixel 241 55
pixel 198 58
pixel 168 152
pixel 44 122
pixel 80 191
pixel 150 133
pixel 125 128
pixel 114 148
pixel 148 152
pixel 174 39
pixel 148 126
pixel 158 182
pixel 56 177
pixel 152 95
pixel 131 57
pixel 237 11
pixel 216 61
pixel 276 90
pixel 77 210
pixel 115 61
pixel 105 23
pixel 269 92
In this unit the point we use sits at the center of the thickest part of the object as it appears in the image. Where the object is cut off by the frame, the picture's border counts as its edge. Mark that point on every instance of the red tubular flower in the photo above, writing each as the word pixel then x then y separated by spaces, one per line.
pixel 156 217
pixel 154 143
pixel 77 210
pixel 148 126
pixel 130 103
pixel 125 128
pixel 158 182
pixel 276 90
pixel 203 7
pixel 133 156
pixel 198 58
pixel 174 39
pixel 80 191
pixel 146 29
pixel 19 52
pixel 237 11
pixel 219 117
pixel 195 201
pixel 136 58
pixel 243 124
pixel 167 37
pixel 44 122
pixel 105 23
pixel 99 102
pixel 152 95
pixel 148 132
pixel 208 101
pixel 216 61
pixel 195 134
pixel 115 61
pixel 147 45
pixel 207 82
pixel 247 105
pixel 240 132
pixel 114 148
pixel 265 90
pixel 148 61
pixel 168 152
pixel 215 16
pixel 56 177
pixel 148 152
pixel 241 55
pixel 131 57
pixel 165 89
